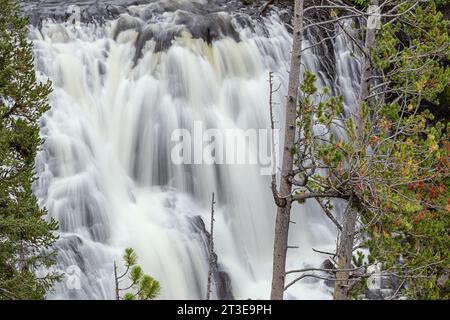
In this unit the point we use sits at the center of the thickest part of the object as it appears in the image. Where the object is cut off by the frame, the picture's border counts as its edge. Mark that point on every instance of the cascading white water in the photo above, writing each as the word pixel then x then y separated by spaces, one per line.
pixel 105 169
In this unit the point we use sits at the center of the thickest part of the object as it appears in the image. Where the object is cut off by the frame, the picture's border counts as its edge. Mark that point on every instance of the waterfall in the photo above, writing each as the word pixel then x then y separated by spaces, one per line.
pixel 120 88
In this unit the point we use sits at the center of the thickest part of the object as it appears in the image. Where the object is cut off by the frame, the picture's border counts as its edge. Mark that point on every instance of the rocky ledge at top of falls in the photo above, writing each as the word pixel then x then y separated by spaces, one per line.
pixel 203 19
pixel 159 20
pixel 98 11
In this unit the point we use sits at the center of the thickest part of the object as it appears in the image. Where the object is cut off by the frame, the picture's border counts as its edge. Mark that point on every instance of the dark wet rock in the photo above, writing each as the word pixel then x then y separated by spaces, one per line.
pixel 101 68
pixel 90 9
pixel 126 22
pixel 324 51
pixel 372 295
pixel 207 22
pixel 328 264
pixel 222 280
pixel 69 246
pixel 209 27
pixel 146 35
pixel 94 10
pixel 285 16
pixel 224 288
pixel 389 285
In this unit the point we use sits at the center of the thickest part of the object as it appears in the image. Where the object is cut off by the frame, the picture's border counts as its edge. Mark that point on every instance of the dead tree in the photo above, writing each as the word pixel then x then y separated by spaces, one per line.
pixel 116 282
pixel 211 258
pixel 282 197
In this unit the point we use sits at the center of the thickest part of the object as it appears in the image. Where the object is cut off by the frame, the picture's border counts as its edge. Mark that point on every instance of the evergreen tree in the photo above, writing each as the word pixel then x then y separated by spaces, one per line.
pixel 411 240
pixel 25 237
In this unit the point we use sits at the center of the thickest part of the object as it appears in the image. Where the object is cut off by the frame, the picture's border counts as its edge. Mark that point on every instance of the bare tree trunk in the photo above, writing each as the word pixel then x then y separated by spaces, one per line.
pixel 346 240
pixel 344 254
pixel 116 281
pixel 284 206
pixel 211 251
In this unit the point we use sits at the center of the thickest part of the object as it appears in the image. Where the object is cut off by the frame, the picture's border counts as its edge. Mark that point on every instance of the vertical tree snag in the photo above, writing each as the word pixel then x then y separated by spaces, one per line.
pixel 211 251
pixel 116 282
pixel 284 206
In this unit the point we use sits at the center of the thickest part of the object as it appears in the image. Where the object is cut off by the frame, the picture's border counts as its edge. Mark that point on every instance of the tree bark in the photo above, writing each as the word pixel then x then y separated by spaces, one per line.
pixel 283 211
pixel 344 255
pixel 116 282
